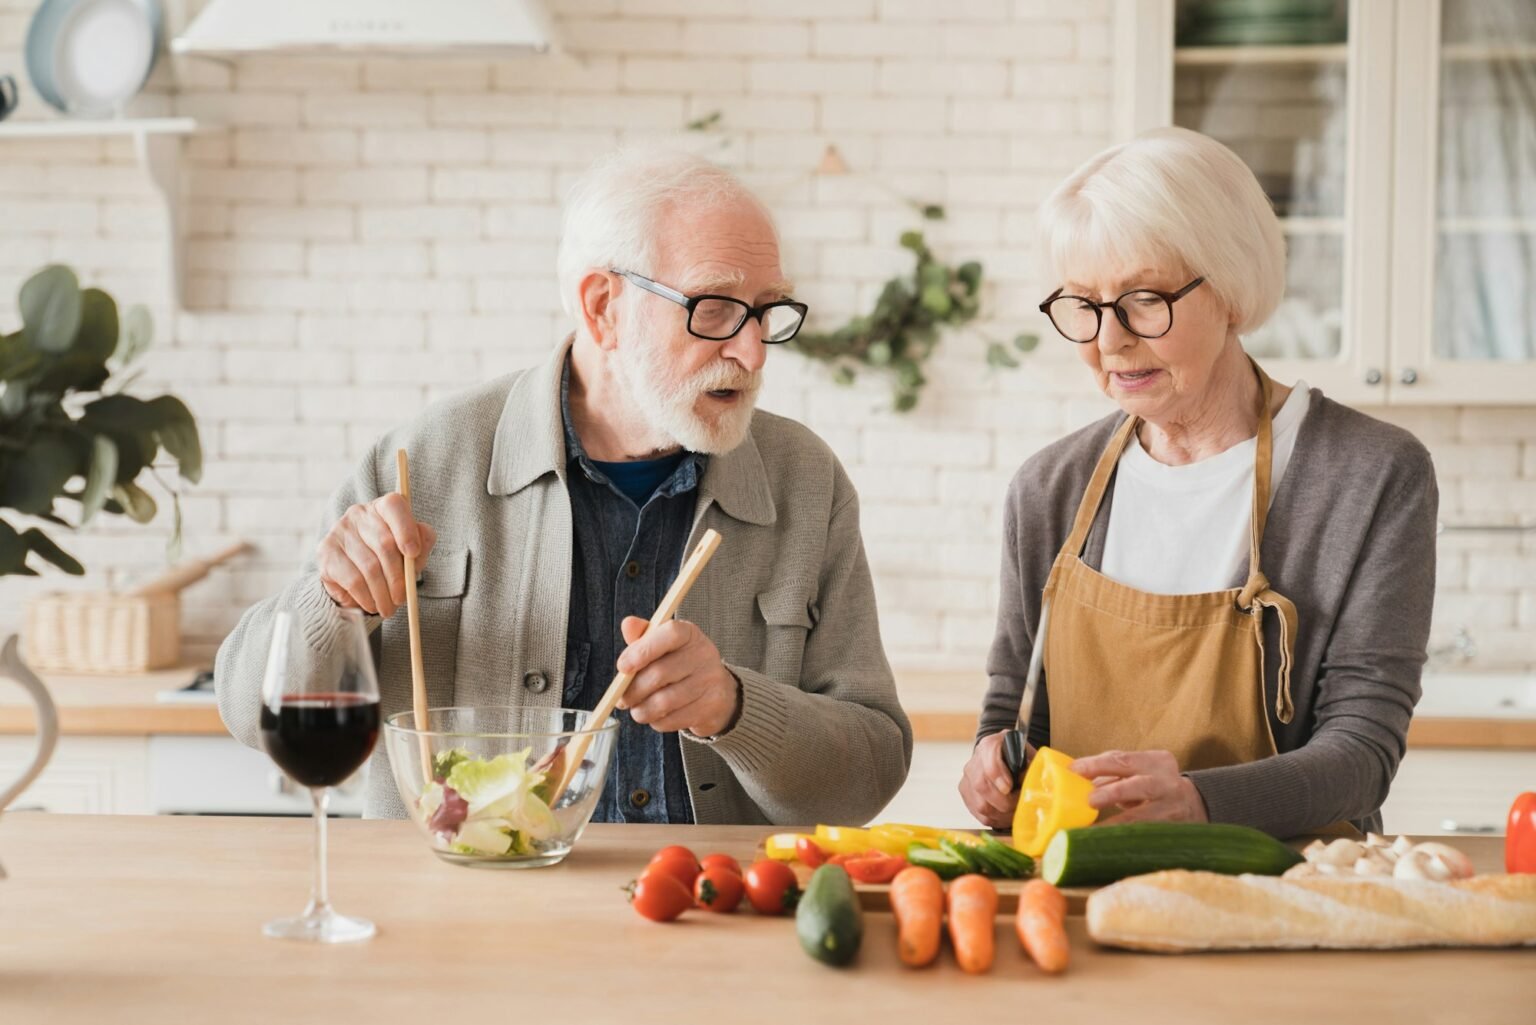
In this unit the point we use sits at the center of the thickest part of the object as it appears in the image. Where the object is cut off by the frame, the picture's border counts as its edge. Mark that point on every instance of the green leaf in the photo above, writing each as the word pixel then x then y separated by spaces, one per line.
pixel 997 357
pixel 51 308
pixel 173 543
pixel 880 353
pixel 33 481
pixel 135 334
pixel 17 358
pixel 136 502
pixel 906 402
pixel 43 545
pixel 99 481
pixel 84 366
pixel 844 376
pixel 13 551
pixel 936 300
pixel 13 399
pixel 912 240
pixel 1026 342
pixel 970 273
pixel 178 433
pixel 932 212
pixel 705 123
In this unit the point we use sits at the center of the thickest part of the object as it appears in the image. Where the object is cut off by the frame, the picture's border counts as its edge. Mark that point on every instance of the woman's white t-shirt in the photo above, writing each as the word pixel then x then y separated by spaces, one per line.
pixel 1186 529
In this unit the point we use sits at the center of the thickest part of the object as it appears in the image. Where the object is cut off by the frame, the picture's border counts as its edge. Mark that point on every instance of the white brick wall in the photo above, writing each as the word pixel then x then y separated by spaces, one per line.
pixel 365 236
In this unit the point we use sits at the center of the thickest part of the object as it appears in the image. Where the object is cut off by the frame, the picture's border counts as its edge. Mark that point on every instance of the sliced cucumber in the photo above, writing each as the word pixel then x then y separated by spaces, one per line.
pixel 941 862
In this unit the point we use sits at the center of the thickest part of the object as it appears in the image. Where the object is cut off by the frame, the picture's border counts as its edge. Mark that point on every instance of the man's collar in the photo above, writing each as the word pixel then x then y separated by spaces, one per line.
pixel 530 443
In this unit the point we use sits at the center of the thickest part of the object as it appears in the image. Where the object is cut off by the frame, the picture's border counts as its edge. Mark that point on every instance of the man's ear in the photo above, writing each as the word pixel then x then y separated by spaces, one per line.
pixel 598 298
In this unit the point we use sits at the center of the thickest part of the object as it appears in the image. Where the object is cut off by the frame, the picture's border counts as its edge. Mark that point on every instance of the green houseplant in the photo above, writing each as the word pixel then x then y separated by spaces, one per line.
pixel 68 430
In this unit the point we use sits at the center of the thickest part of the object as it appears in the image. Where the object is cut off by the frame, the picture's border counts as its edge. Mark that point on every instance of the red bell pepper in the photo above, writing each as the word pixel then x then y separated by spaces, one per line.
pixel 875 867
pixel 1520 835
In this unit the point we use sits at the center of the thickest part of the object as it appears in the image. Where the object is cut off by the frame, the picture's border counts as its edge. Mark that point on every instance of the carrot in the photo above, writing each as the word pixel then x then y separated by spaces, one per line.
pixel 972 918
pixel 1041 925
pixel 917 898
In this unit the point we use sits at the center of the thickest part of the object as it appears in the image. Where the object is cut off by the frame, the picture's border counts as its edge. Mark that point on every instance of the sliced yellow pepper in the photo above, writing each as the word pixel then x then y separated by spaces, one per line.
pixel 781 846
pixel 1053 798
pixel 844 840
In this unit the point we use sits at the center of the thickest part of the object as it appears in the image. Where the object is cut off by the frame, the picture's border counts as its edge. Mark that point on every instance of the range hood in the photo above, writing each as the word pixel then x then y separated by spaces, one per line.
pixel 397 27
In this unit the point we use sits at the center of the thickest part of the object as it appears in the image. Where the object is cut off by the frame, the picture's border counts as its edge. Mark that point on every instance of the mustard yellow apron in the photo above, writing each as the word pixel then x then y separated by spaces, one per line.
pixel 1133 671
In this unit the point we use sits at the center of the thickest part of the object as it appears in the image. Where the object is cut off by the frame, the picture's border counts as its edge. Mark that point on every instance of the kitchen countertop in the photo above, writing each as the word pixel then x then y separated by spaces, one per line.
pixel 146 919
pixel 942 706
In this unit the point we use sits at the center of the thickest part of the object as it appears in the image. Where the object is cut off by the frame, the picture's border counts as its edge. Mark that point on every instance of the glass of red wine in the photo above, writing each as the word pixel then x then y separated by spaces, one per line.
pixel 319 721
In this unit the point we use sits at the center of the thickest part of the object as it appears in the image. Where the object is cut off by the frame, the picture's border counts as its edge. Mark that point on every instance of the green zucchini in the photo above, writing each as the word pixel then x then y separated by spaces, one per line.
pixel 829 921
pixel 1096 855
pixel 941 862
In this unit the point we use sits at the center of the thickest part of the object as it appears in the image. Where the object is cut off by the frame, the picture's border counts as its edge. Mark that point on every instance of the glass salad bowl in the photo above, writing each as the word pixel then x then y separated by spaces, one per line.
pixel 489 798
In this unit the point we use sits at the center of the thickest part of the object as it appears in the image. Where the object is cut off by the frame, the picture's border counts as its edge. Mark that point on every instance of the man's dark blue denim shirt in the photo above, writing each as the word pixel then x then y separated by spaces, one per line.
pixel 624 558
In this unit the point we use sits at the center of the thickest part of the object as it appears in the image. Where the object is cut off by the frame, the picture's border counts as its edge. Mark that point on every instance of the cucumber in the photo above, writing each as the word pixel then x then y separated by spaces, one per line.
pixel 1016 864
pixel 829 921
pixel 945 866
pixel 965 855
pixel 1095 855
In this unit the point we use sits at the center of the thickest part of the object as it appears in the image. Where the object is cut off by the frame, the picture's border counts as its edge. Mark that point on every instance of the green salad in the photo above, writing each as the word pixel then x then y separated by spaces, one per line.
pixel 488 806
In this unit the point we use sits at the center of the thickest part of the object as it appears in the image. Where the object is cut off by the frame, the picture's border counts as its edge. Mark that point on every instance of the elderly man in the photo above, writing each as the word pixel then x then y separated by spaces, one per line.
pixel 553 509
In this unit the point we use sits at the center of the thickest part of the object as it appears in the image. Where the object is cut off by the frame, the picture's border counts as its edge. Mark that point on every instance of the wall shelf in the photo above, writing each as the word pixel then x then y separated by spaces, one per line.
pixel 1316 53
pixel 158 143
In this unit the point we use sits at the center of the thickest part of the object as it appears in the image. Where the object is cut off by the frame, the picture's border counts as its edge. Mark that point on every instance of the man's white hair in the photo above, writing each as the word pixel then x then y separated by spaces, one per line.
pixel 1175 199
pixel 613 210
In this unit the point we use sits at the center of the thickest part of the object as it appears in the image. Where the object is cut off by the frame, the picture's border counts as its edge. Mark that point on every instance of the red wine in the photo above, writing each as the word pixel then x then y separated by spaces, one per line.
pixel 320 739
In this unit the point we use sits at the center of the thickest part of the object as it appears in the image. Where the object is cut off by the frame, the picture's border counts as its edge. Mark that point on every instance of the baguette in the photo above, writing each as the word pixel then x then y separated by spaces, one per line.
pixel 1179 912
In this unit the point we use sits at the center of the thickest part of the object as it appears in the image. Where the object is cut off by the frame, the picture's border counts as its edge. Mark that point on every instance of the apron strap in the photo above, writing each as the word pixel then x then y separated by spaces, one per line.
pixel 1263 467
pixel 1093 496
pixel 1285 711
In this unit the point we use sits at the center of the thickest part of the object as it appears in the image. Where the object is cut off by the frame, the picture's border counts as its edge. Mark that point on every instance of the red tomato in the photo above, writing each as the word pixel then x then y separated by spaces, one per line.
pixel 659 896
pixel 679 862
pixel 718 889
pixel 1520 835
pixel 809 852
pixel 710 861
pixel 876 868
pixel 772 888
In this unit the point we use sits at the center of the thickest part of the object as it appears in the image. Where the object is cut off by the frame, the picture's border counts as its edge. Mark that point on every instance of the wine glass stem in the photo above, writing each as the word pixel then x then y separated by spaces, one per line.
pixel 319 898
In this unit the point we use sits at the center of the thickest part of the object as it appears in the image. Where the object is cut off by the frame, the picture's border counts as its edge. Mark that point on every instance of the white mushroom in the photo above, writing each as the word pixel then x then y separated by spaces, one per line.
pixel 1377 840
pixel 1456 862
pixel 1373 867
pixel 1305 870
pixel 1313 850
pixel 1402 845
pixel 1343 853
pixel 1327 868
pixel 1418 865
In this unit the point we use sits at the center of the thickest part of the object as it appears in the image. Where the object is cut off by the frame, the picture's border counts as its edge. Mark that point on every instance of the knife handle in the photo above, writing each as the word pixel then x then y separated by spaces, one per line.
pixel 1014 753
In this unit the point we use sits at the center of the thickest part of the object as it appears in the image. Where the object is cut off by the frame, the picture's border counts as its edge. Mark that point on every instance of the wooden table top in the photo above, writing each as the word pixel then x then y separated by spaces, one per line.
pixel 158 919
pixel 942 706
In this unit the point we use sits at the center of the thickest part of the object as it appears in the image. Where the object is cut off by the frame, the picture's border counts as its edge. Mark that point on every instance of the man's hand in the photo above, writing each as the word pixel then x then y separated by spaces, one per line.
pixel 362 558
pixel 679 681
pixel 1145 785
pixel 987 787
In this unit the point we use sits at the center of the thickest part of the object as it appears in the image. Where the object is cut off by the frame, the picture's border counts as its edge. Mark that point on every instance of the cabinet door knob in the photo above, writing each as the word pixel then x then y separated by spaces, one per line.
pixel 1373 376
pixel 1409 376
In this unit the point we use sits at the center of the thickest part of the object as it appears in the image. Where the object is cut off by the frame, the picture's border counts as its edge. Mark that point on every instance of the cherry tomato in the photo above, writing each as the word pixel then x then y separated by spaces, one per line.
pixel 725 861
pixel 772 888
pixel 809 852
pixel 659 896
pixel 679 862
pixel 718 889
pixel 877 868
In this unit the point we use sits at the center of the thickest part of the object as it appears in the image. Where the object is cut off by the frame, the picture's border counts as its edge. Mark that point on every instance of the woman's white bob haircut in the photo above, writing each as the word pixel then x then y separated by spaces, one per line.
pixel 1171 199
pixel 614 211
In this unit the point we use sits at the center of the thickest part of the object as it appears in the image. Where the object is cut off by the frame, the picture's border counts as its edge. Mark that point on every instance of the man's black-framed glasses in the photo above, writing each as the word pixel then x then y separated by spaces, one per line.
pixel 717 318
pixel 1144 312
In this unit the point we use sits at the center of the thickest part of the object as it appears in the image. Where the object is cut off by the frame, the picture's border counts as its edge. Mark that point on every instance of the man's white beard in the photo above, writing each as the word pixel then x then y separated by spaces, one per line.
pixel 668 406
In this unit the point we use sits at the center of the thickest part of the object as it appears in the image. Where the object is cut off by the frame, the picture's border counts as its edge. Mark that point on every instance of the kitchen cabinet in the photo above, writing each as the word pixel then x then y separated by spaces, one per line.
pixel 1465 792
pixel 1397 140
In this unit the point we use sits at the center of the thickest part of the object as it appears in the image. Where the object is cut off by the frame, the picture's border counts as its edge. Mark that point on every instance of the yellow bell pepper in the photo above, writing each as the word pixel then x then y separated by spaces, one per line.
pixel 844 840
pixel 1053 798
pixel 781 846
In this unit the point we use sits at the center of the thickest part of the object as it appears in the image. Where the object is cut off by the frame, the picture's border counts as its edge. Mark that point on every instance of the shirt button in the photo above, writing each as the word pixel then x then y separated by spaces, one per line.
pixel 632 569
pixel 536 682
pixel 640 798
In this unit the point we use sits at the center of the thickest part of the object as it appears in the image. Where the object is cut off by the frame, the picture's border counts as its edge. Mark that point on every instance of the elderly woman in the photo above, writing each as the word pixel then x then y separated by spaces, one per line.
pixel 1238 574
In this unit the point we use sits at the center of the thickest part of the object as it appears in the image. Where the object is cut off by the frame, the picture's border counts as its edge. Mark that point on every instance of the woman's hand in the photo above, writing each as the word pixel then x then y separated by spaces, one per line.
pixel 1146 786
pixel 987 787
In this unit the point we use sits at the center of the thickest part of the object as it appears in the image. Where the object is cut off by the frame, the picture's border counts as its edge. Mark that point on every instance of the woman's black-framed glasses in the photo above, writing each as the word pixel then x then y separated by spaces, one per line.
pixel 1144 312
pixel 717 318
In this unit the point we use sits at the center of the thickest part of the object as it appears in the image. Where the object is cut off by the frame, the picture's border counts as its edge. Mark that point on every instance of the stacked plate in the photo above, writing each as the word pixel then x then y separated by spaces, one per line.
pixel 88 58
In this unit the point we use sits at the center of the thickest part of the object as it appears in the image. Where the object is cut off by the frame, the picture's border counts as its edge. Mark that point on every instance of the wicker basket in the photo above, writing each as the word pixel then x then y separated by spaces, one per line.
pixel 97 632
